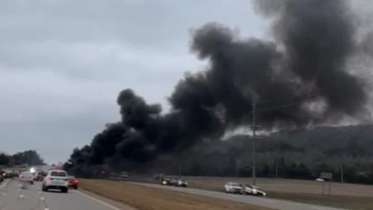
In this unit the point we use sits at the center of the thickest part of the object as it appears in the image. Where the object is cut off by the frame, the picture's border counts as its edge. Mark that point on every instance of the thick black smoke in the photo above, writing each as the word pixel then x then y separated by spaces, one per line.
pixel 299 78
pixel 318 37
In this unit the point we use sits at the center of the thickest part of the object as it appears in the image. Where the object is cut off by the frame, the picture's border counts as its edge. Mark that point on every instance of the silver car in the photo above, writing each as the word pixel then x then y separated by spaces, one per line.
pixel 27 177
pixel 56 179
pixel 233 187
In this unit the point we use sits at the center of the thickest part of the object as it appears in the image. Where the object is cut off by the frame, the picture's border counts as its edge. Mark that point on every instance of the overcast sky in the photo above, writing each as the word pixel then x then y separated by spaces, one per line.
pixel 63 63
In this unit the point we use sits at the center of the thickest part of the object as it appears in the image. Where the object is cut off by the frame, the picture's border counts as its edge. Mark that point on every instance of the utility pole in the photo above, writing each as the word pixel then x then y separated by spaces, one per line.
pixel 236 167
pixel 180 169
pixel 32 159
pixel 342 173
pixel 254 138
pixel 276 169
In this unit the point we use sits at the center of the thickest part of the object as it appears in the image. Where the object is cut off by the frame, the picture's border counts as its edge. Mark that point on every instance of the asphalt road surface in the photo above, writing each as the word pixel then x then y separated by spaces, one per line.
pixel 258 201
pixel 15 197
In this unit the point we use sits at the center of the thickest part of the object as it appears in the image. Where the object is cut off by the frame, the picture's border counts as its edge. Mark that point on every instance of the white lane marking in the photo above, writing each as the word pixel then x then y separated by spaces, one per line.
pixel 4 184
pixel 99 201
pixel 317 207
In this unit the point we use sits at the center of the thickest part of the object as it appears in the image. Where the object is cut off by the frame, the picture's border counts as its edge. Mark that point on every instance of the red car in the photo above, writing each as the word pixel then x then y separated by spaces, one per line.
pixel 73 182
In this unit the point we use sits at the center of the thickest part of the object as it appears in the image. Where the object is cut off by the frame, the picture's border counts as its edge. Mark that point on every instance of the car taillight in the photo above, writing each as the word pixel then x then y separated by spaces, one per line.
pixel 48 178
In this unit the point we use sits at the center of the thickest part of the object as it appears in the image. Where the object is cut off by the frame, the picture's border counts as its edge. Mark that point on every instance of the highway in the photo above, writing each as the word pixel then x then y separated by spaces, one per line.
pixel 258 201
pixel 14 197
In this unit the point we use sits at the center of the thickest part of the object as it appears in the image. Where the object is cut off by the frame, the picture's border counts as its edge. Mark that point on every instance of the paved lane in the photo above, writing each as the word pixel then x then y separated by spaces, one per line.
pixel 14 197
pixel 258 201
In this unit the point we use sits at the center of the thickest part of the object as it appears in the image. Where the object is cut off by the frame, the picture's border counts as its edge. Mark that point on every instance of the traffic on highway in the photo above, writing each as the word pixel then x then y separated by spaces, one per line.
pixel 186 105
pixel 27 192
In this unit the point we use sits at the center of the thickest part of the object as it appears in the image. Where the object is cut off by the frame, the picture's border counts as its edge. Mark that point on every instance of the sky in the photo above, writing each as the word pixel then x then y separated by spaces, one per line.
pixel 63 63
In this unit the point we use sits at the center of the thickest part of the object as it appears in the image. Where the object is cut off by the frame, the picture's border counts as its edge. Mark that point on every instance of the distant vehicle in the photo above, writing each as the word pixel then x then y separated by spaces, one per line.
pixel 169 180
pixel 174 181
pixel 7 174
pixel 38 177
pixel 253 190
pixel 26 177
pixel 320 180
pixel 182 183
pixel 13 174
pixel 34 175
pixel 124 175
pixel 56 179
pixel 2 174
pixel 233 187
pixel 73 182
pixel 157 177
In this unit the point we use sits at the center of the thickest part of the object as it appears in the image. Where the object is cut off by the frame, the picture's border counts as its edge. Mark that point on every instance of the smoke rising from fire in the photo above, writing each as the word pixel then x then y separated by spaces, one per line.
pixel 305 65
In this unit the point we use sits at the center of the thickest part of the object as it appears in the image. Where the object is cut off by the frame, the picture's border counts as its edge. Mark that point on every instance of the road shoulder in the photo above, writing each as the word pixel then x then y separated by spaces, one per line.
pixel 96 197
pixel 252 200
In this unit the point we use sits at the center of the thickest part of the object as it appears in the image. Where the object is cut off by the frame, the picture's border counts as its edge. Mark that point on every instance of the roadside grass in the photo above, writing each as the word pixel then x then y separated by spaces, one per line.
pixel 148 198
pixel 348 196
pixel 338 201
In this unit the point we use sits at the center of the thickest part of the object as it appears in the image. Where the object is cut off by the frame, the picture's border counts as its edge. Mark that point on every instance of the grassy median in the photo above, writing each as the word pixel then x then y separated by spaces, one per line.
pixel 148 198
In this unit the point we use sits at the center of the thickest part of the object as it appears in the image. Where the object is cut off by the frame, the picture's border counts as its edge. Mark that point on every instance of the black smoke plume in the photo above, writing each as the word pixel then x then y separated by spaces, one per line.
pixel 299 78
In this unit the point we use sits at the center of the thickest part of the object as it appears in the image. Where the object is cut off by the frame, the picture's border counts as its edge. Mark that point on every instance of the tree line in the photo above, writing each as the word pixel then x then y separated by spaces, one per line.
pixel 28 157
pixel 346 152
pixel 295 154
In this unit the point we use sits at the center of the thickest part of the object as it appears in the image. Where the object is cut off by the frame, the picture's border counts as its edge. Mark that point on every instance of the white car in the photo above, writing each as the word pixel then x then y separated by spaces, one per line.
pixel 233 187
pixel 27 177
pixel 254 190
pixel 56 179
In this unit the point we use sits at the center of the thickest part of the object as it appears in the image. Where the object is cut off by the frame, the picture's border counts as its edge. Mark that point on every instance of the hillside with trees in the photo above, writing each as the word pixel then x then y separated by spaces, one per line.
pixel 295 154
pixel 301 154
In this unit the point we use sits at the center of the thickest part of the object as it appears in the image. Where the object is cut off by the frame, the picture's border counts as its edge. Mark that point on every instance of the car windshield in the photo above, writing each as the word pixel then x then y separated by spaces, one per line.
pixel 58 173
pixel 234 184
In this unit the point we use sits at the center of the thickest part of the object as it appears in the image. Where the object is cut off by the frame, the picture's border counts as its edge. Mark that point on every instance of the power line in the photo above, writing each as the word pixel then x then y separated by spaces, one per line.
pixel 280 106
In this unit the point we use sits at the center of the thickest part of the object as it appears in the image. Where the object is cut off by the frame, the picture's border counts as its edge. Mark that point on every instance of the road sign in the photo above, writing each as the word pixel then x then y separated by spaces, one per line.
pixel 326 175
